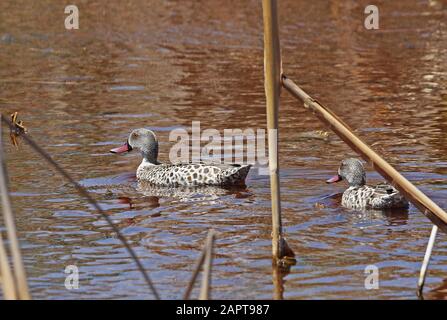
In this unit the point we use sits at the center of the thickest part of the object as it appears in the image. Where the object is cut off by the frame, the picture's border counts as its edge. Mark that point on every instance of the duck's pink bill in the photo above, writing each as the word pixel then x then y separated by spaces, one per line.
pixel 334 179
pixel 123 148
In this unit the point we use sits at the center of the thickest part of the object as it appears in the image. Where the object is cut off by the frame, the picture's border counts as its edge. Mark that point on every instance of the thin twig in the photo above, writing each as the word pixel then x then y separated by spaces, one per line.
pixel 195 274
pixel 18 269
pixel 90 199
pixel 206 278
pixel 197 268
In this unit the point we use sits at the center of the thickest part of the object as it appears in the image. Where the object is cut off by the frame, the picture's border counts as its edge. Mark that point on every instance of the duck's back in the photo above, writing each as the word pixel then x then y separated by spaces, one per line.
pixel 193 174
pixel 381 196
pixel 357 197
pixel 387 197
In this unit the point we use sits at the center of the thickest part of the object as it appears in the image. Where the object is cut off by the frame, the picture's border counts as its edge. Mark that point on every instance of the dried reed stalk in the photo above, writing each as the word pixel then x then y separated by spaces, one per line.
pixel 426 261
pixel 206 278
pixel 198 265
pixel 272 84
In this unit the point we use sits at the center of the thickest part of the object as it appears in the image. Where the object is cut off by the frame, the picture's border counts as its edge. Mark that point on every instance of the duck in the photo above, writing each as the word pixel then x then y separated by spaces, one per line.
pixel 180 174
pixel 359 195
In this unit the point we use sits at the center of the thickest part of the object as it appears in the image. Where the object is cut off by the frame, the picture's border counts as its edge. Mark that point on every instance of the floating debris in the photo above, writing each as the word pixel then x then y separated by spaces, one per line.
pixel 319 205
pixel 109 194
pixel 18 125
pixel 317 134
pixel 19 129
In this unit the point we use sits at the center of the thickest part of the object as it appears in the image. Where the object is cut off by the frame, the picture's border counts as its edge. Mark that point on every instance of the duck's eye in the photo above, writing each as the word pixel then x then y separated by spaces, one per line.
pixel 134 135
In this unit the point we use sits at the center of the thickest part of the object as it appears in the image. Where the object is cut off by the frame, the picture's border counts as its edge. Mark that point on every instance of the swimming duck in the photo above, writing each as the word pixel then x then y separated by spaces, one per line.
pixel 361 196
pixel 182 174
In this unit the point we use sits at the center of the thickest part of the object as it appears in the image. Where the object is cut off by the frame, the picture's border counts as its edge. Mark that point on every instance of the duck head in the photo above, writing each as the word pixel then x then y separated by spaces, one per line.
pixel 143 139
pixel 352 171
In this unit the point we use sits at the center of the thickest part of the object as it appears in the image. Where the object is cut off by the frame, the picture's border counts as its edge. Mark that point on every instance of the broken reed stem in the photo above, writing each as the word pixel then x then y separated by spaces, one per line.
pixel 90 199
pixel 7 279
pixel 418 198
pixel 18 268
pixel 195 274
pixel 272 84
pixel 426 262
pixel 197 268
pixel 206 278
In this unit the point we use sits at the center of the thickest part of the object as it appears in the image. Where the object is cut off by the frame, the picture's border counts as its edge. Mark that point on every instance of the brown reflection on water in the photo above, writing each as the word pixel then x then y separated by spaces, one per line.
pixel 164 64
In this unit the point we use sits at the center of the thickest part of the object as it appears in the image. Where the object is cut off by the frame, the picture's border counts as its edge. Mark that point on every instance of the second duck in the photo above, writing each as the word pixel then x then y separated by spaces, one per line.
pixel 361 196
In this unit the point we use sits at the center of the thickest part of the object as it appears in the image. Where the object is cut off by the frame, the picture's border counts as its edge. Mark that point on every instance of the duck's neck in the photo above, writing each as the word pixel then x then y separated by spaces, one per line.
pixel 357 185
pixel 150 156
pixel 150 153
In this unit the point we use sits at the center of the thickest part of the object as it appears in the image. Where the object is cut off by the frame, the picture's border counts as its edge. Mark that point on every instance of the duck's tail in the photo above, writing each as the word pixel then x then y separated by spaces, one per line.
pixel 241 174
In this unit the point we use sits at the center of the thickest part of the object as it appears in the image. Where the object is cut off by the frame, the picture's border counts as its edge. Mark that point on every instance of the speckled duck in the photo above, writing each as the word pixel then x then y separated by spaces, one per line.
pixel 182 174
pixel 361 196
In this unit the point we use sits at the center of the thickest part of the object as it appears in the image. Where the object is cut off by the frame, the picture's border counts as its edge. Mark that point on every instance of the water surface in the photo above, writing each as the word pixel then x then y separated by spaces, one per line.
pixel 164 64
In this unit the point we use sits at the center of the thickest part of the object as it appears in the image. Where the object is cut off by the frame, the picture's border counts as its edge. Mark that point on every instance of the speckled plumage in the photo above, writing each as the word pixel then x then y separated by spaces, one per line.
pixel 381 196
pixel 361 196
pixel 191 174
pixel 182 174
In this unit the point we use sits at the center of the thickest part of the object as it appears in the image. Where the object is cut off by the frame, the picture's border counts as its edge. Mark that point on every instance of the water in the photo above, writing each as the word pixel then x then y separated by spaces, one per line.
pixel 164 64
